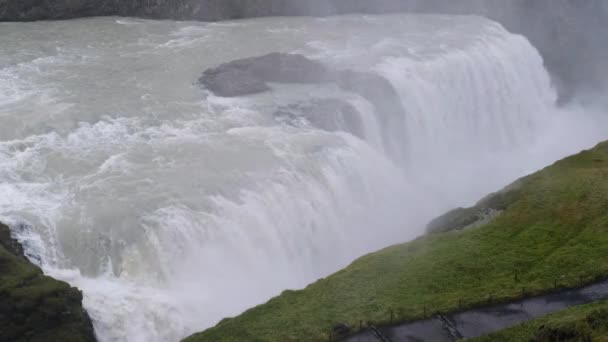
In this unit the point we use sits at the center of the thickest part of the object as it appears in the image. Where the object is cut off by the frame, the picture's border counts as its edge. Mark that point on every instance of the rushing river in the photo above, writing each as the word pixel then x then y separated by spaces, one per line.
pixel 172 208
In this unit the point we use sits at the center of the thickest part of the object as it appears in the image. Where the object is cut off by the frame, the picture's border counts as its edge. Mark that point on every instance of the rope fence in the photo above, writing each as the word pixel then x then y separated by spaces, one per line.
pixel 404 315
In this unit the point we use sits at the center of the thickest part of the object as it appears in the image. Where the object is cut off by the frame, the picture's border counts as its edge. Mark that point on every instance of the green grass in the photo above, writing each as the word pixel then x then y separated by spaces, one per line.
pixel 581 323
pixel 553 230
pixel 34 307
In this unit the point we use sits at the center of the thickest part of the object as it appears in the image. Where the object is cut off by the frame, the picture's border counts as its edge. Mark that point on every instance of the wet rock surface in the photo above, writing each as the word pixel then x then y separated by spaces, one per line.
pixel 231 83
pixel 34 307
pixel 251 75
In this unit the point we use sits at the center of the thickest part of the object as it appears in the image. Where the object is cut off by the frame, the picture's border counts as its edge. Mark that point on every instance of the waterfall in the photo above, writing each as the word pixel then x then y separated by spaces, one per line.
pixel 172 208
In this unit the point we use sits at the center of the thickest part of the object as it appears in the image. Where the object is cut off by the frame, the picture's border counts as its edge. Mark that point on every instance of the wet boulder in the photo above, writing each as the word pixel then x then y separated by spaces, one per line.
pixel 285 68
pixel 233 82
pixel 251 75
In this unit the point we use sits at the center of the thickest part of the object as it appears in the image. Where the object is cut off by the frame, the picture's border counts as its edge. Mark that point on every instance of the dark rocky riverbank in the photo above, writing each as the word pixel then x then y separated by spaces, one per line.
pixel 567 33
pixel 34 307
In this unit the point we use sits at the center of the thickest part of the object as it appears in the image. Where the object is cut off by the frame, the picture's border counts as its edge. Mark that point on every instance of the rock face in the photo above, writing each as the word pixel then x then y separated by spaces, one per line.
pixel 34 307
pixel 569 34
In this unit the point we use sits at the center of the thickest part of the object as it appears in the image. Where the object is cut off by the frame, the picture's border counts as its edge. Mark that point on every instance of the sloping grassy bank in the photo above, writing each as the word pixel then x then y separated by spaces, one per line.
pixel 34 307
pixel 581 323
pixel 552 231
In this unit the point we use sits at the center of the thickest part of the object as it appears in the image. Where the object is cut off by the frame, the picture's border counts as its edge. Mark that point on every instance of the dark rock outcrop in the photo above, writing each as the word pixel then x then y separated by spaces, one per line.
pixel 483 211
pixel 251 75
pixel 34 307
pixel 568 33
pixel 231 83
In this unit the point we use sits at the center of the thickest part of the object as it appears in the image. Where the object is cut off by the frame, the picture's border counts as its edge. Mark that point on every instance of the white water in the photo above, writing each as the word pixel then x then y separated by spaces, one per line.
pixel 171 208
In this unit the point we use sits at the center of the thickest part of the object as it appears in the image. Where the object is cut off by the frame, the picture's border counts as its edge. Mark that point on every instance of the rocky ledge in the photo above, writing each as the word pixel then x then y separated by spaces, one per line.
pixel 254 75
pixel 34 307
pixel 251 75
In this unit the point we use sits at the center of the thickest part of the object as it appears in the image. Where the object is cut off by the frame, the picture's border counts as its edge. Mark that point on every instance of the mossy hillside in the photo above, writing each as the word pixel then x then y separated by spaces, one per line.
pixel 553 232
pixel 34 307
pixel 583 323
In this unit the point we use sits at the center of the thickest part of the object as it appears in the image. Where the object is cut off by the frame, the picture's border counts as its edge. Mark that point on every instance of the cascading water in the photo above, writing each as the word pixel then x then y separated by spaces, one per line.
pixel 172 208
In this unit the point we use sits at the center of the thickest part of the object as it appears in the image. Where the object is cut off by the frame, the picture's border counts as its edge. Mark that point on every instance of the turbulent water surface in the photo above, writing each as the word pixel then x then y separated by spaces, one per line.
pixel 172 208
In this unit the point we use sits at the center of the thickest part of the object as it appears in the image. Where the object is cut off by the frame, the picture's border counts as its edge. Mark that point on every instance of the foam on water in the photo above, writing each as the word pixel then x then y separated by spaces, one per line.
pixel 172 208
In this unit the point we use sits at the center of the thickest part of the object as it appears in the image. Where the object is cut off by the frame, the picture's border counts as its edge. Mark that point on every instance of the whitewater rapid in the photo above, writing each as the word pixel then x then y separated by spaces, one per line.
pixel 172 208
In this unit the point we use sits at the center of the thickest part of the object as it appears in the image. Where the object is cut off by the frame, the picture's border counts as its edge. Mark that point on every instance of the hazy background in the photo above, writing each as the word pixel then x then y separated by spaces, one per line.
pixel 569 34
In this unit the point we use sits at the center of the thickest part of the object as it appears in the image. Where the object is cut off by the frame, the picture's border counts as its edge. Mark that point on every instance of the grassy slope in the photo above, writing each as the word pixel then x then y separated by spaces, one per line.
pixel 581 323
pixel 34 307
pixel 554 228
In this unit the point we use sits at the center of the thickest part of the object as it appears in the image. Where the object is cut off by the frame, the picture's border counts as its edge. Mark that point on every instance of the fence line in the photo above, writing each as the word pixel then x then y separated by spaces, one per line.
pixel 341 330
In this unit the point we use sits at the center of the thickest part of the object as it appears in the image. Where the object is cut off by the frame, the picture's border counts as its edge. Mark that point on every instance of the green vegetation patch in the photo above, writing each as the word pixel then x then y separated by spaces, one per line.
pixel 552 232
pixel 583 323
pixel 34 307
